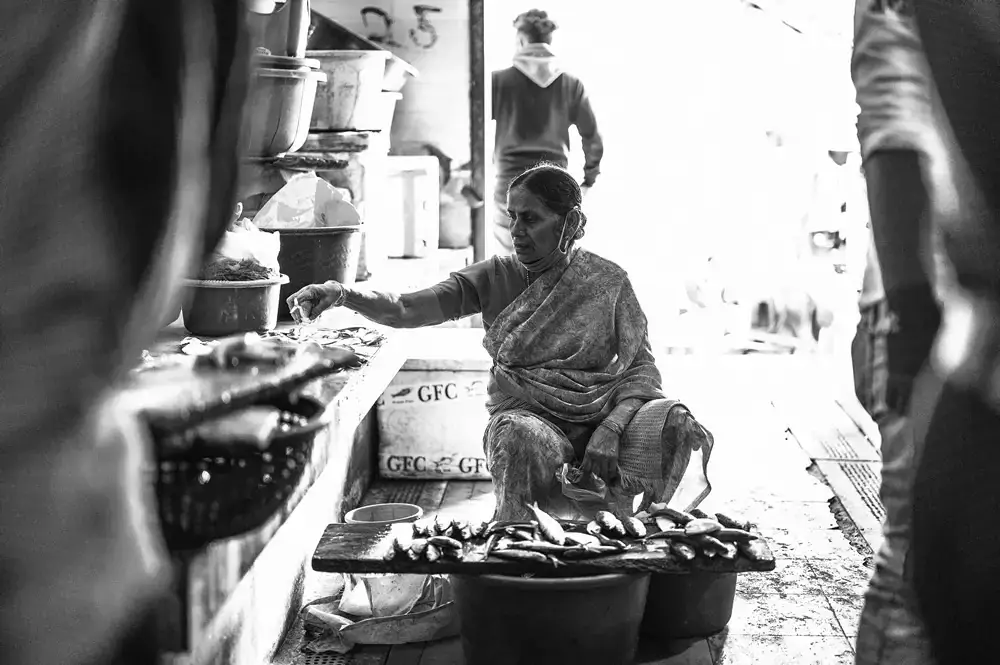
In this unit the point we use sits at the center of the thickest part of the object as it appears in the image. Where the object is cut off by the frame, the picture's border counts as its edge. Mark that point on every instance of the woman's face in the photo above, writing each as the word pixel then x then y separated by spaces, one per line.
pixel 534 228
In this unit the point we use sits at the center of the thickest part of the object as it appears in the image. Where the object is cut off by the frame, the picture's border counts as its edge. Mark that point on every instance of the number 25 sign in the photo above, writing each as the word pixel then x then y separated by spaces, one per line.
pixel 424 35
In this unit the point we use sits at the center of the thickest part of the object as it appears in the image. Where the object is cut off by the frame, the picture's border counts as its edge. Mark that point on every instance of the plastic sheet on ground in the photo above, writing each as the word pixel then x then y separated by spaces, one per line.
pixel 380 609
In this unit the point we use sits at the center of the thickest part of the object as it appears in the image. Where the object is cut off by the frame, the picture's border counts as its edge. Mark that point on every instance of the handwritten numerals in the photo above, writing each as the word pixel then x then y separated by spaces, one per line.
pixel 385 37
pixel 424 35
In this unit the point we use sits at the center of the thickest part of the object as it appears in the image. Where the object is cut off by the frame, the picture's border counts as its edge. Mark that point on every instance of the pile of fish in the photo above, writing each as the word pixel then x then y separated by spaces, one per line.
pixel 690 534
pixel 434 538
pixel 545 540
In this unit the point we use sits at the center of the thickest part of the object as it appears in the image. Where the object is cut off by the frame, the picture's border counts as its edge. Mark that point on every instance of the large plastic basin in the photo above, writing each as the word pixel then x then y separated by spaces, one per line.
pixel 218 309
pixel 525 621
pixel 279 106
pixel 689 606
pixel 351 100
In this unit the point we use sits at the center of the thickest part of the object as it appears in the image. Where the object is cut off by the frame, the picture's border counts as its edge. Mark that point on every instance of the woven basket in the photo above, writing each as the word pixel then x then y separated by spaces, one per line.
pixel 206 495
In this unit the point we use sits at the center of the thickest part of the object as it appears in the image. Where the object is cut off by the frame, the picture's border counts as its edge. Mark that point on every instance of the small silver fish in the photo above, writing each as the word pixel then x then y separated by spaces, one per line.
pixel 419 545
pixel 665 523
pixel 538 546
pixel 441 526
pixel 634 527
pixel 610 524
pixel 522 555
pixel 521 534
pixel 683 550
pixel 727 535
pixel 432 553
pixel 422 528
pixel 697 527
pixel 548 525
pixel 582 539
pixel 444 542
pixel 589 552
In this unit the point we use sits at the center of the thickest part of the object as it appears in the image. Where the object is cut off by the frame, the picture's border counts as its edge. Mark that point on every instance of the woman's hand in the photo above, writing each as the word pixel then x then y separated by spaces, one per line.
pixel 601 457
pixel 311 301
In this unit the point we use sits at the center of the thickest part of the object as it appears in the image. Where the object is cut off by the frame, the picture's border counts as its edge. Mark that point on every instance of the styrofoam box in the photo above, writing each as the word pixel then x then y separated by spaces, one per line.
pixel 432 416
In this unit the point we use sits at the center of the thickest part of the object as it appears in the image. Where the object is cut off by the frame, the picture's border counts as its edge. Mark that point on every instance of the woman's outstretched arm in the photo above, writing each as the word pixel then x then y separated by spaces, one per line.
pixel 458 296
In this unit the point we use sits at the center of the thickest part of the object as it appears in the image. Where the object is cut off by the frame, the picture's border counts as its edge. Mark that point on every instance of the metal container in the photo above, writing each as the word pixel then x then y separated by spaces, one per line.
pixel 280 104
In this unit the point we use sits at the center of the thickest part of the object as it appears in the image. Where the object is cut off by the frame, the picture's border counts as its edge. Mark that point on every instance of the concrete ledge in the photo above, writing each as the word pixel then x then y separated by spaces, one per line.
pixel 238 597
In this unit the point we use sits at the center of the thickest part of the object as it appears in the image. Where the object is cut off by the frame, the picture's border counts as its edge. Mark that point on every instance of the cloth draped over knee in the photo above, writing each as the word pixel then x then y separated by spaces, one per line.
pixel 573 345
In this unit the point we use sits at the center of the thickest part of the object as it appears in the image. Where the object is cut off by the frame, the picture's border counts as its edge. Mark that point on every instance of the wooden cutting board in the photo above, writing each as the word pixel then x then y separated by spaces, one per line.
pixel 359 548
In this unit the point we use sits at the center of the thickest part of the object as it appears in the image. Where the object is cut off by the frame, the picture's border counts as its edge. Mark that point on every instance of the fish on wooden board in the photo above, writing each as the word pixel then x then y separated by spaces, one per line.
pixel 610 524
pixel 525 555
pixel 549 526
pixel 700 526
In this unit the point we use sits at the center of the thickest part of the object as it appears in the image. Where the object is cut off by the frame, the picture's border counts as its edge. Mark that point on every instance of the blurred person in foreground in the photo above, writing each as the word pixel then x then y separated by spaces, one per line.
pixel 905 164
pixel 535 102
pixel 956 546
pixel 118 125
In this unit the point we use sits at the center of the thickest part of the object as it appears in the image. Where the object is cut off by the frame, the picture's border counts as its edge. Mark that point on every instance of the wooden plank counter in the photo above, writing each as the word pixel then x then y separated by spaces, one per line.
pixel 358 548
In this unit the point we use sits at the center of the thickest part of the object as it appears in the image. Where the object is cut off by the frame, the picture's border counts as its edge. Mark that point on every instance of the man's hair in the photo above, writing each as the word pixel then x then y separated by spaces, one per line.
pixel 536 25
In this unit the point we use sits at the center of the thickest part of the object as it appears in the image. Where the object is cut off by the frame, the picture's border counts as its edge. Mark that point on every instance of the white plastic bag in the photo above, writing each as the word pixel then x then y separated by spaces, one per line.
pixel 244 240
pixel 307 201
pixel 394 613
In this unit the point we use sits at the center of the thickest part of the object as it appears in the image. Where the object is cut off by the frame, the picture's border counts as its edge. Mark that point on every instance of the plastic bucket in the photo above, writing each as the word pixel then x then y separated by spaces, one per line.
pixel 581 620
pixel 351 99
pixel 218 309
pixel 314 256
pixel 279 106
pixel 386 110
pixel 384 513
pixel 689 606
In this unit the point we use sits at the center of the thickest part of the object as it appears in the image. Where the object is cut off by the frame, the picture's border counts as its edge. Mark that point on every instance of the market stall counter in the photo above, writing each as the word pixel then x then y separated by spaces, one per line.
pixel 542 589
pixel 261 442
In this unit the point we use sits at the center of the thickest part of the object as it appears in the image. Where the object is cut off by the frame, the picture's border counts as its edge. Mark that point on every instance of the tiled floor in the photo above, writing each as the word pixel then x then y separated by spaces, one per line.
pixel 804 612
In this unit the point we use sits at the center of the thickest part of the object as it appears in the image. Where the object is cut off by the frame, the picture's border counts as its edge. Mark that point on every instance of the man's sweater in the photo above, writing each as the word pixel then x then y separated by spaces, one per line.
pixel 534 105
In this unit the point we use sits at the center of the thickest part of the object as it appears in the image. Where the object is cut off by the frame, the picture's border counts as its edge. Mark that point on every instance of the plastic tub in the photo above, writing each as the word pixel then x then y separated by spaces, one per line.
pixel 581 620
pixel 279 105
pixel 689 606
pixel 387 109
pixel 384 513
pixel 351 100
pixel 397 73
pixel 218 309
pixel 313 256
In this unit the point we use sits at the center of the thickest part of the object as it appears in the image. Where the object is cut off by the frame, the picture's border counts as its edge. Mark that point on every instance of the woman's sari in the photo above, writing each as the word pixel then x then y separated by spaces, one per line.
pixel 571 347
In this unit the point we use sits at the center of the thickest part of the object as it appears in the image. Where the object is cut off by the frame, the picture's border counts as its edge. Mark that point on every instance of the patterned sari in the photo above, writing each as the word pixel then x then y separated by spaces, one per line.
pixel 566 351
